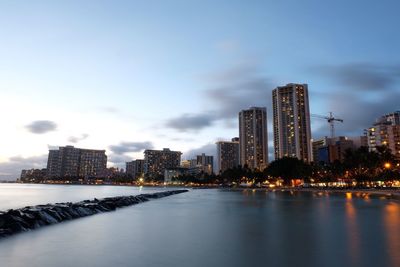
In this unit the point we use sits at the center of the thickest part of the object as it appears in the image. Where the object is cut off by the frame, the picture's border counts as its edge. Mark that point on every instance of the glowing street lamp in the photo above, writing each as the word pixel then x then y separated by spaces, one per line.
pixel 387 165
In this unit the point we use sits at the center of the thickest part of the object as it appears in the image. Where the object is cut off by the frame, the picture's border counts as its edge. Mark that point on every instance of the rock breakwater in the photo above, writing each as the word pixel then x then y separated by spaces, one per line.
pixel 32 217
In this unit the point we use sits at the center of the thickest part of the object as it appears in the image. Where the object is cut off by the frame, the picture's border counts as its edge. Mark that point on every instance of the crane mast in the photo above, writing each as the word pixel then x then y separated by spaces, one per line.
pixel 331 120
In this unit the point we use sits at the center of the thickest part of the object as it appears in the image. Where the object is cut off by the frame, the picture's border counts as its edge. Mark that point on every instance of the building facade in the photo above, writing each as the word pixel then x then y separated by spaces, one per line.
pixel 33 175
pixel 385 132
pixel 206 163
pixel 53 164
pixel 74 162
pixel 227 155
pixel 253 138
pixel 292 130
pixel 328 150
pixel 157 161
pixel 135 168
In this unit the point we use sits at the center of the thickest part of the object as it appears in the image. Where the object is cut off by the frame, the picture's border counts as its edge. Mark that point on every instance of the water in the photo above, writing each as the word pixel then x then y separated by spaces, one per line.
pixel 21 195
pixel 219 228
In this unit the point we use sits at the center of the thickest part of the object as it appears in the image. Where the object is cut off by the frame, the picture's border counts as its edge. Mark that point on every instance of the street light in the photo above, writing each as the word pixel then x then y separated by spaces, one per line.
pixel 387 165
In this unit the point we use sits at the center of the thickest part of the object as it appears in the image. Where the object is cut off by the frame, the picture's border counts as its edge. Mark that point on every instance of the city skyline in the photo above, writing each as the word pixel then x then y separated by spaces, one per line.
pixel 132 76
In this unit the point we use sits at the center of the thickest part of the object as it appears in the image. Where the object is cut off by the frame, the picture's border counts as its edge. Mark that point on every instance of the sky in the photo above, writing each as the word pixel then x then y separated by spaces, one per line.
pixel 129 75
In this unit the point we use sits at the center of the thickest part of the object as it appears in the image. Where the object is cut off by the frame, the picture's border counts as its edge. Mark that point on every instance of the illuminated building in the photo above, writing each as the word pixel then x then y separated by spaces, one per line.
pixel 206 163
pixel 227 155
pixel 385 132
pixel 329 150
pixel 157 161
pixel 135 168
pixel 291 118
pixel 69 161
pixel 253 138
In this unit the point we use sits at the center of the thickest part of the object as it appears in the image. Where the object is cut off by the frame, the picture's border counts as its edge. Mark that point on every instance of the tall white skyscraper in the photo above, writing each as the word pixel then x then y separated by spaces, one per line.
pixel 292 130
pixel 253 138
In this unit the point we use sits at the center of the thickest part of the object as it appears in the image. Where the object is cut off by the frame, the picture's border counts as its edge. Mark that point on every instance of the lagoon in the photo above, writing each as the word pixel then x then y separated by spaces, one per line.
pixel 208 227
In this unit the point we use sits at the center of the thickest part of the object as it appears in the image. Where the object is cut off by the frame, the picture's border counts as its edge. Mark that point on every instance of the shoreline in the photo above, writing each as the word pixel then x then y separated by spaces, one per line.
pixel 373 192
pixel 387 193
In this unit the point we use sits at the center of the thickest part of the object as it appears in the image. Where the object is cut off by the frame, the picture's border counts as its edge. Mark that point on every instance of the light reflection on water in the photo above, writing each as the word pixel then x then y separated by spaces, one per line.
pixel 222 228
pixel 392 230
pixel 352 230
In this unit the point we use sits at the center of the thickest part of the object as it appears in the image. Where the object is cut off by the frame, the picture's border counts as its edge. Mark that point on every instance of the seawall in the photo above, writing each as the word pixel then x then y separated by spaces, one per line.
pixel 31 217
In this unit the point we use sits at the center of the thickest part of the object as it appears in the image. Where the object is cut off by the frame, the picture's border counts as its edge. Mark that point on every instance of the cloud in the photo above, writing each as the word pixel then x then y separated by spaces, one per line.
pixel 366 91
pixel 111 110
pixel 363 76
pixel 118 160
pixel 209 149
pixel 187 122
pixel 179 139
pixel 76 139
pixel 233 96
pixel 127 147
pixel 11 169
pixel 41 126
pixel 230 91
pixel 359 114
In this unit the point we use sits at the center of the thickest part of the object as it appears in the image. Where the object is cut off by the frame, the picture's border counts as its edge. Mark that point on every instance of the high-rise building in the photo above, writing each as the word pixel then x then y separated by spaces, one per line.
pixel 135 168
pixel 206 163
pixel 157 161
pixel 227 155
pixel 74 162
pixel 292 130
pixel 385 132
pixel 253 138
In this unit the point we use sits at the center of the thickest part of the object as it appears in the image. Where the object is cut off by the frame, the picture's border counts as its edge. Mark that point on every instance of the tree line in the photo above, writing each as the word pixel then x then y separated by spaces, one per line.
pixel 360 165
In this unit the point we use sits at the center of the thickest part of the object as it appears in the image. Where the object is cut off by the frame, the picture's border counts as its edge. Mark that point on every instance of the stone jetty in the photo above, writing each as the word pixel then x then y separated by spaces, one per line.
pixel 19 220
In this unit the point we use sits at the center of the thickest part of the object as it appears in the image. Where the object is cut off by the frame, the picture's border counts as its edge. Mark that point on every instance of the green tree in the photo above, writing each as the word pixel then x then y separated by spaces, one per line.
pixel 288 168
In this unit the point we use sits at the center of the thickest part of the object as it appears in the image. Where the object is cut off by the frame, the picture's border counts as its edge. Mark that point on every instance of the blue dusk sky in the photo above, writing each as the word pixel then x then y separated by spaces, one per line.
pixel 129 75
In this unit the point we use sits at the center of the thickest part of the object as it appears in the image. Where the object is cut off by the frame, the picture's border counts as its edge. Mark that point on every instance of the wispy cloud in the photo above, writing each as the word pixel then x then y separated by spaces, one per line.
pixel 127 147
pixel 11 169
pixel 230 91
pixel 363 92
pixel 76 139
pixel 362 76
pixel 188 122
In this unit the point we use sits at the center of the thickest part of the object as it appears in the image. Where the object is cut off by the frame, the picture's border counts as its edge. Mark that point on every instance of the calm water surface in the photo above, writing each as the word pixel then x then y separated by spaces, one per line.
pixel 211 228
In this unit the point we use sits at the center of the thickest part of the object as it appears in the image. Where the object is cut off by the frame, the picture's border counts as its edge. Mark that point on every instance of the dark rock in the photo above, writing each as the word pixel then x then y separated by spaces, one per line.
pixel 31 217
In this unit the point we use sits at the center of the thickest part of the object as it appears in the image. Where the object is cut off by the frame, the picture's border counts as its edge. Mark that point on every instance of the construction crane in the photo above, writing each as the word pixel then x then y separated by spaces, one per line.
pixel 331 120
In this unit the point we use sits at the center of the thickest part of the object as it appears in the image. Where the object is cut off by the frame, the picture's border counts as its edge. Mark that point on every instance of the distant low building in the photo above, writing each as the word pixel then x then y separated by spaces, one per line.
pixel 33 175
pixel 206 163
pixel 190 163
pixel 171 173
pixel 328 150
